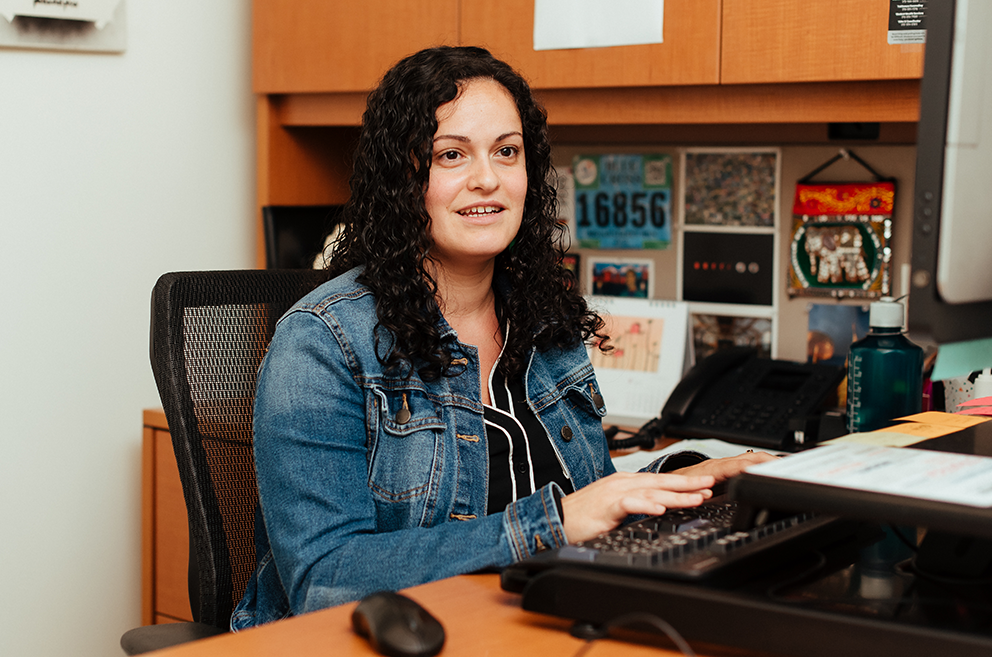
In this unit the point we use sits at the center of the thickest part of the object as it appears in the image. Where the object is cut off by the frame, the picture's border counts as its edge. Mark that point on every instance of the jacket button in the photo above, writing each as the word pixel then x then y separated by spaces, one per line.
pixel 597 399
pixel 566 433
pixel 402 416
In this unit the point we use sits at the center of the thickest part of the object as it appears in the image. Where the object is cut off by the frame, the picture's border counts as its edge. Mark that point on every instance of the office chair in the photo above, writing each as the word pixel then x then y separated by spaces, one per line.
pixel 209 332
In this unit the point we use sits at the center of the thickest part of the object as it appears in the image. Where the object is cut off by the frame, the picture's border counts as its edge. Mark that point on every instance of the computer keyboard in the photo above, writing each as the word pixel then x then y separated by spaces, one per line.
pixel 697 544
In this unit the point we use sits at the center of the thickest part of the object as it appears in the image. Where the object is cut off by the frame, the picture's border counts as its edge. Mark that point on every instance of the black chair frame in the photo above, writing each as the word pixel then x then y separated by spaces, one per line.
pixel 205 373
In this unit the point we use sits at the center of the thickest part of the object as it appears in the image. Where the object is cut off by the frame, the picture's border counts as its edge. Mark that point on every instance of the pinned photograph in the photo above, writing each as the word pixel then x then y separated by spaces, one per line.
pixel 710 333
pixel 619 277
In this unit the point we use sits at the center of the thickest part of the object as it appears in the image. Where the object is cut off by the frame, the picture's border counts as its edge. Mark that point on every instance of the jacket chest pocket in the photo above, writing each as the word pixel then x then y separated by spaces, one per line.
pixel 585 397
pixel 407 446
pixel 575 422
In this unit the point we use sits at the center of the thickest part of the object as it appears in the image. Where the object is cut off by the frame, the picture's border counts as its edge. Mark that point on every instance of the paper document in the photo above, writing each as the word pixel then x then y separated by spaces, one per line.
pixel 919 427
pixel 936 476
pixel 560 24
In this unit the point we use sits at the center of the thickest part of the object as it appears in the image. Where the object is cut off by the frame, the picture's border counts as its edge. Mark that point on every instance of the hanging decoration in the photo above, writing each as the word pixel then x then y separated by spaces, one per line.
pixel 841 236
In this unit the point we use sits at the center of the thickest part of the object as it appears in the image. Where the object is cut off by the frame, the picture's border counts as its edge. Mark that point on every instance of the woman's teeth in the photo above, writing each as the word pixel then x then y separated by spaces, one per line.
pixel 474 212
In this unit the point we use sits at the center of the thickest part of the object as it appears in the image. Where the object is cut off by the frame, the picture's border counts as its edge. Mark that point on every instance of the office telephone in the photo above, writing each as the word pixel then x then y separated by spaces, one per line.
pixel 734 395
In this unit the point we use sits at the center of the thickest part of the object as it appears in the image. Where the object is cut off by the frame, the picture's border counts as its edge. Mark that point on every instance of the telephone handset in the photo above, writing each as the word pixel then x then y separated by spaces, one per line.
pixel 736 396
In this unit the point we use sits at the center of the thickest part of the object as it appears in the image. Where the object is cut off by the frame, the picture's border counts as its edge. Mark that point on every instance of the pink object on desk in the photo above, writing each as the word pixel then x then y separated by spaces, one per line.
pixel 981 401
pixel 980 406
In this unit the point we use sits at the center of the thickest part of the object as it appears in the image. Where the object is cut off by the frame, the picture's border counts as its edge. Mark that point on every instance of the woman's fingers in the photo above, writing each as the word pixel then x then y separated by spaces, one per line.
pixel 725 468
pixel 679 482
pixel 621 481
pixel 602 505
pixel 657 502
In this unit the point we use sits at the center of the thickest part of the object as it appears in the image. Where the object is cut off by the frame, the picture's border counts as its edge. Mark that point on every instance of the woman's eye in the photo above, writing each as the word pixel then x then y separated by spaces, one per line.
pixel 449 155
pixel 508 151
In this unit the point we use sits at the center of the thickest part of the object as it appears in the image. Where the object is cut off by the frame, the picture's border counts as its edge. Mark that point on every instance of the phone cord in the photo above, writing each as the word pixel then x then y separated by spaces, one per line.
pixel 645 436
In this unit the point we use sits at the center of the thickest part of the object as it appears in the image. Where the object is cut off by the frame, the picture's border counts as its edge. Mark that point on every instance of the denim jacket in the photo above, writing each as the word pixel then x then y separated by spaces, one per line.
pixel 369 481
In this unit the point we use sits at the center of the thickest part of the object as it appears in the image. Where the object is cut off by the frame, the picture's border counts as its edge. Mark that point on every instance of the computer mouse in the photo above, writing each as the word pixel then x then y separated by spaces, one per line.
pixel 397 626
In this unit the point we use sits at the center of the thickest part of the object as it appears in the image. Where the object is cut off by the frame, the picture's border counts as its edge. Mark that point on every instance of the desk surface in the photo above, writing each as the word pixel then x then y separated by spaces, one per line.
pixel 478 617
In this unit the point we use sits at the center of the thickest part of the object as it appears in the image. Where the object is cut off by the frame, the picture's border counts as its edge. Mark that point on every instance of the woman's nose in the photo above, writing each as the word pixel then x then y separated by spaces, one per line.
pixel 483 175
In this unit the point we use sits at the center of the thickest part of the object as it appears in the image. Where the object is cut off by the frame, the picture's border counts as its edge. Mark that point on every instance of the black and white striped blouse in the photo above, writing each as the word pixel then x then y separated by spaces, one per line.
pixel 521 456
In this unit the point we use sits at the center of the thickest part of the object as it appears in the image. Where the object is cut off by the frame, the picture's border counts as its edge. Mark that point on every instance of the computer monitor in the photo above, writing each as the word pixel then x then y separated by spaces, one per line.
pixel 296 234
pixel 951 293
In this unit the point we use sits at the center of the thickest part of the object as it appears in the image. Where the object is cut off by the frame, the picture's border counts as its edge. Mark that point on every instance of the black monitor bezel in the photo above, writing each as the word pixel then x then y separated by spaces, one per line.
pixel 931 317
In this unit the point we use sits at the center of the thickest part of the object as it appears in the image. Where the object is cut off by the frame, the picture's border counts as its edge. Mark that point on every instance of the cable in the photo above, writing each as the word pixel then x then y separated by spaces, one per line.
pixel 645 436
pixel 636 617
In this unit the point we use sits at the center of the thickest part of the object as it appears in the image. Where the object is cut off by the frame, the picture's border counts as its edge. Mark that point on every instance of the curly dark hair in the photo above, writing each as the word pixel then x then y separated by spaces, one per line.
pixel 386 227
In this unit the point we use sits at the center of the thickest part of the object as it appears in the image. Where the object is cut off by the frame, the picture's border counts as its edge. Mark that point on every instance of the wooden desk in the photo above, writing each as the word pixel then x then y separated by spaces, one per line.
pixel 164 529
pixel 165 537
pixel 479 619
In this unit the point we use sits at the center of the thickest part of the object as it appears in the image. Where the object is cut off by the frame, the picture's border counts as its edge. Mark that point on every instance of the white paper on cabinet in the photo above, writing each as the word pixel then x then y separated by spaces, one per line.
pixel 561 24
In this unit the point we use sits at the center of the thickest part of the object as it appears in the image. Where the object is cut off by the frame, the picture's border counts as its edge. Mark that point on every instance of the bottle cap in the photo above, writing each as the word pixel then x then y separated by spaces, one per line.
pixel 886 313
pixel 983 385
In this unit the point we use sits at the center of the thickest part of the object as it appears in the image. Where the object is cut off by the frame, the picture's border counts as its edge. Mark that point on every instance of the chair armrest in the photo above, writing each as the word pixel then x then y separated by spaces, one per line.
pixel 156 637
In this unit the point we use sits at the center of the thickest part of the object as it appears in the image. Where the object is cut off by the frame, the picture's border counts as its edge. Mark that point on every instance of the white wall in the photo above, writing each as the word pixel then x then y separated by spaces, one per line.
pixel 113 170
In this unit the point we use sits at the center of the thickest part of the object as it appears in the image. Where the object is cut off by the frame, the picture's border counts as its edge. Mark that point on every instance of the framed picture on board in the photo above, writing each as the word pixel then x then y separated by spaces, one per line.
pixel 623 200
pixel 720 267
pixel 730 187
pixel 621 277
pixel 710 333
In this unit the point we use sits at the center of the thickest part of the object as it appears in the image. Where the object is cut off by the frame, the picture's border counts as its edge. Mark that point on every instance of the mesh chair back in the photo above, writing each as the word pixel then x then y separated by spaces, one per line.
pixel 210 331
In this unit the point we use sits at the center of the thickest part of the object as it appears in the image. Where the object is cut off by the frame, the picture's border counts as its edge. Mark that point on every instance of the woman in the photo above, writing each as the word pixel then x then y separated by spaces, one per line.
pixel 431 410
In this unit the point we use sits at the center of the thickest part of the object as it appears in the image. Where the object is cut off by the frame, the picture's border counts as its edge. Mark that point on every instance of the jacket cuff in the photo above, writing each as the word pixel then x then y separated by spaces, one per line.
pixel 534 524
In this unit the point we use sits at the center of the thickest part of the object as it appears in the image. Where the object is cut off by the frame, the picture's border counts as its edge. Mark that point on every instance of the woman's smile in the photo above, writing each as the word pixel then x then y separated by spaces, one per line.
pixel 481 212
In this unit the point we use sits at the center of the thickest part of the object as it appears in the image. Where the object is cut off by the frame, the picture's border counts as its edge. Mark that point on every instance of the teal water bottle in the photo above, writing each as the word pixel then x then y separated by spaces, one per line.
pixel 884 371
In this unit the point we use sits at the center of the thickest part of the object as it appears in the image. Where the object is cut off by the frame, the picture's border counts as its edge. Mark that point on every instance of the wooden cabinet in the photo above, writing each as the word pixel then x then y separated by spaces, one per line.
pixel 690 53
pixel 165 537
pixel 729 72
pixel 304 46
pixel 314 46
pixel 802 41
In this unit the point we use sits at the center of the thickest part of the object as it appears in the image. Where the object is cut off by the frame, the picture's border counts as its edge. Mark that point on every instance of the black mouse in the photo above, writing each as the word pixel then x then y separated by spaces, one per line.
pixel 397 626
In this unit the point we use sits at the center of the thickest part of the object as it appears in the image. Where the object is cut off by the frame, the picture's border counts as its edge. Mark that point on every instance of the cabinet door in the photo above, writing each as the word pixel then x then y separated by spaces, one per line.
pixel 803 41
pixel 690 53
pixel 321 45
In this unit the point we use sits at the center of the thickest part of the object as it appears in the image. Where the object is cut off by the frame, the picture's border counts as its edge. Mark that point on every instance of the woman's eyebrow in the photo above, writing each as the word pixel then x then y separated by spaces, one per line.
pixel 465 139
pixel 455 137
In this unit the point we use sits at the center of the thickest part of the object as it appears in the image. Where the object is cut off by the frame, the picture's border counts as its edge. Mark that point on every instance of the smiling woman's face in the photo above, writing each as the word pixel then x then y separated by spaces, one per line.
pixel 478 178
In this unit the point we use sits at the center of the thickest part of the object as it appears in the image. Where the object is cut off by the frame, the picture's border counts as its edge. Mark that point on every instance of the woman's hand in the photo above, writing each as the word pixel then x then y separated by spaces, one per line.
pixel 603 504
pixel 725 468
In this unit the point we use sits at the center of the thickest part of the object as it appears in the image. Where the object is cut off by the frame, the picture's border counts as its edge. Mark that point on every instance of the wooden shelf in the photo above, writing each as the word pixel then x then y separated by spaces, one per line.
pixel 883 101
